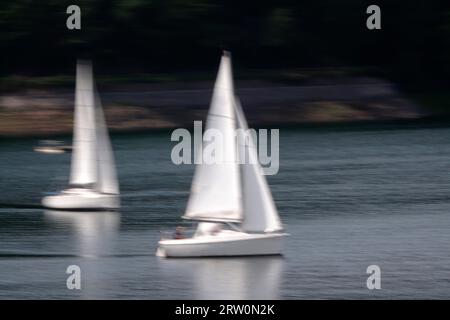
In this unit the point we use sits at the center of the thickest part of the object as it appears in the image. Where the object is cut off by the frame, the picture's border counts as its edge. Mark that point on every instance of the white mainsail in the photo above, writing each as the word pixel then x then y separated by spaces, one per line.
pixel 260 212
pixel 92 157
pixel 84 167
pixel 107 177
pixel 222 192
pixel 216 191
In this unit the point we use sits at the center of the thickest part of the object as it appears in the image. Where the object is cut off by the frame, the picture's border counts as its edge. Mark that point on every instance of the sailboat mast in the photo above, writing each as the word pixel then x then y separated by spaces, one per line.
pixel 83 167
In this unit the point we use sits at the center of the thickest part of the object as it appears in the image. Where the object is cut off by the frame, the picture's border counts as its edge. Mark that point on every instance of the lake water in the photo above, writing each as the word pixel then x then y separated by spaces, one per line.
pixel 348 198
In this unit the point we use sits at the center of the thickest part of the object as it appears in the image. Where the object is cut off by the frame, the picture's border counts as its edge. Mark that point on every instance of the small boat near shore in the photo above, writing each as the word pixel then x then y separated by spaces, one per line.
pixel 52 146
pixel 230 200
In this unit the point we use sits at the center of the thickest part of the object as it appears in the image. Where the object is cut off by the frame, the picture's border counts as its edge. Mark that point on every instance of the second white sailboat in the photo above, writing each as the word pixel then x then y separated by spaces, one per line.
pixel 93 180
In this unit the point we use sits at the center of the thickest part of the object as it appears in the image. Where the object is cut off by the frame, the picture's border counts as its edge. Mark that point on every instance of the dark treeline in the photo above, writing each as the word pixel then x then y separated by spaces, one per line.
pixel 138 36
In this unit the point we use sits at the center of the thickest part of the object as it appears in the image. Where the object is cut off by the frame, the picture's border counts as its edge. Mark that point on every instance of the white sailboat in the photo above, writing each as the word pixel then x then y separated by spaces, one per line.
pixel 93 180
pixel 229 194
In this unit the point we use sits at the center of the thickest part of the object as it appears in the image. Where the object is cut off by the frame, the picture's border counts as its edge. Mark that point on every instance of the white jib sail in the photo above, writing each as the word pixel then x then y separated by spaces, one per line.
pixel 84 162
pixel 107 176
pixel 260 212
pixel 216 192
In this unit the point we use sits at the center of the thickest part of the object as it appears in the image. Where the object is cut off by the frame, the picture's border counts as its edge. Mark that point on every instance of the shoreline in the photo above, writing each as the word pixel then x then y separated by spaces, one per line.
pixel 137 108
pixel 421 123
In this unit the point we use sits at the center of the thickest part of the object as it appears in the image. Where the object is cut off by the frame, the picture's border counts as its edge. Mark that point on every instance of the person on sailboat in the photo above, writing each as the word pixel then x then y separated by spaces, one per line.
pixel 178 233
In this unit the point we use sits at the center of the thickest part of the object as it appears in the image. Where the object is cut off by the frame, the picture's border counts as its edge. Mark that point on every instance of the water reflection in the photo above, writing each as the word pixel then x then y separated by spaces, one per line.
pixel 230 278
pixel 95 232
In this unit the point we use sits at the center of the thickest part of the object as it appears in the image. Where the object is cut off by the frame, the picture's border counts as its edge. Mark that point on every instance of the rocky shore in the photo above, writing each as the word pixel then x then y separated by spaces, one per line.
pixel 151 106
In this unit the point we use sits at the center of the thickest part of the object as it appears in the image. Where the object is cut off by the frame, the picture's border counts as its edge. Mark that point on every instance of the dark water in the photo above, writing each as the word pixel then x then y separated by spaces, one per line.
pixel 349 199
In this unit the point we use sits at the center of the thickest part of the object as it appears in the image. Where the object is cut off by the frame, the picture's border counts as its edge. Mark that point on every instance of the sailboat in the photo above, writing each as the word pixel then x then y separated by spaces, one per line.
pixel 230 200
pixel 93 181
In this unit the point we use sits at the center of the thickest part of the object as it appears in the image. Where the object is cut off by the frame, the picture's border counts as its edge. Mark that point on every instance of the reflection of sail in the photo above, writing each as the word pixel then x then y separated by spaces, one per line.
pixel 231 278
pixel 95 231
pixel 91 237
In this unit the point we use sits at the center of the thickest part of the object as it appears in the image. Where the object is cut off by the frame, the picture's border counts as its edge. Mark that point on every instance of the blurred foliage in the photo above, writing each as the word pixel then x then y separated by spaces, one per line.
pixel 141 36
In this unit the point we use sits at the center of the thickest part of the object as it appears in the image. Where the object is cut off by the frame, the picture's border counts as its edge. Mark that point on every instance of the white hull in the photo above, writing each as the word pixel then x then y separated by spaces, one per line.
pixel 81 199
pixel 225 243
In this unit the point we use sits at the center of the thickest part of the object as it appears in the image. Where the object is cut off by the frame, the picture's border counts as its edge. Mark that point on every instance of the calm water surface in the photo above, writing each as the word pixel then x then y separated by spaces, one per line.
pixel 348 198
